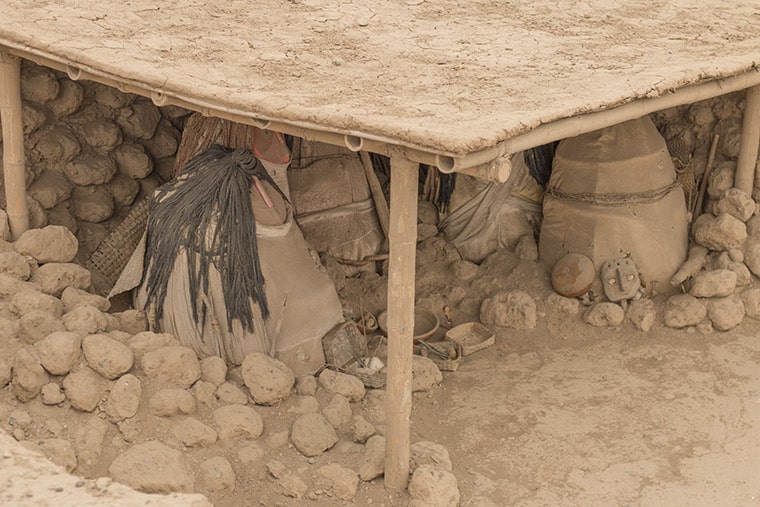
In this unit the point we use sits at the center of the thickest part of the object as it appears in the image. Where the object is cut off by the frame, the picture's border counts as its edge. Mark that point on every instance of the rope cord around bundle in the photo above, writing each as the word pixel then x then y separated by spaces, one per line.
pixel 616 199
pixel 206 214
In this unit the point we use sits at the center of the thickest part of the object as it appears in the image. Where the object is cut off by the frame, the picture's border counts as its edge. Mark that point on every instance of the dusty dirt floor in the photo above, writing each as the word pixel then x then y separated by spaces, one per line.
pixel 563 414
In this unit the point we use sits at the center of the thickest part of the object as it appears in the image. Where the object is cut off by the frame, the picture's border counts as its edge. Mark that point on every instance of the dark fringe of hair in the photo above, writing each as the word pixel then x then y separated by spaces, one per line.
pixel 206 214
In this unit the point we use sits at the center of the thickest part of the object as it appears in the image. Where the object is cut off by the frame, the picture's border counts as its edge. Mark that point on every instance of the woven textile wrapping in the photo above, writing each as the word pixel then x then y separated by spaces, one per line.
pixel 301 301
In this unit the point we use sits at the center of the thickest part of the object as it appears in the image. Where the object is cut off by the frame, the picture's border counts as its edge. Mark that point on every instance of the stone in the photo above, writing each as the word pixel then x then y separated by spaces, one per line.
pixel 164 142
pixel 214 370
pixel 292 485
pixel 604 314
pixel 425 374
pixel 736 203
pixel 61 215
pixel 205 394
pixel 139 120
pixel 526 248
pixel 90 169
pixel 344 481
pixel 373 459
pixel 172 364
pixel 193 433
pixel 716 283
pixel 69 99
pixel 59 351
pixel 92 203
pixel 148 341
pixel 37 214
pixel 28 376
pixel 426 453
pixel 15 265
pixel 28 300
pixel 721 179
pixel 312 434
pixel 52 243
pixel 101 134
pixel 10 285
pixel 346 385
pixel 230 394
pixel 720 233
pixel 123 189
pixel 107 356
pixel 8 329
pixel 217 475
pixel 85 320
pixel 74 298
pixel 88 439
pixel 152 467
pixel 35 325
pixel 38 84
pixel 642 314
pixel 51 189
pixel 33 117
pixel 58 145
pixel 124 399
pixel 515 309
pixel 751 300
pixel 85 389
pixel 132 161
pixel 169 402
pixel 54 277
pixel 743 274
pixel 238 422
pixel 306 385
pixel 270 381
pixel 338 411
pixel 683 310
pixel 51 394
pixel 726 313
pixel 110 96
pixel 752 258
pixel 361 429
pixel 433 487
pixel 753 227
pixel 133 321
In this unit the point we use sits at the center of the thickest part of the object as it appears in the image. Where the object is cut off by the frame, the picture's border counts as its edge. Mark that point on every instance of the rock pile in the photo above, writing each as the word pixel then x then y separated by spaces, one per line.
pixel 91 151
pixel 159 419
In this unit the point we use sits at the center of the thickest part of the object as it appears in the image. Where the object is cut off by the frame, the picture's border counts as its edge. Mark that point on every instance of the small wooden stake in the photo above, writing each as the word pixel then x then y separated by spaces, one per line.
pixel 745 164
pixel 13 143
pixel 403 244
pixel 381 205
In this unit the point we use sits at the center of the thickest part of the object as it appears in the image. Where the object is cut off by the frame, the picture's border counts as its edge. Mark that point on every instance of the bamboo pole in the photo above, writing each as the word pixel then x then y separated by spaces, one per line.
pixel 381 205
pixel 745 164
pixel 13 143
pixel 403 244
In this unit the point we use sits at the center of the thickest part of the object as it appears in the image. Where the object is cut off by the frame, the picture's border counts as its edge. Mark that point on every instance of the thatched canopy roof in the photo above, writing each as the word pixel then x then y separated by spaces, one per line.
pixel 445 76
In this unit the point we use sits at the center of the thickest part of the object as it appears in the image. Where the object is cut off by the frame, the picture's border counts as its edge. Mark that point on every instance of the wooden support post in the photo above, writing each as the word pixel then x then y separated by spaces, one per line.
pixel 402 254
pixel 13 143
pixel 750 140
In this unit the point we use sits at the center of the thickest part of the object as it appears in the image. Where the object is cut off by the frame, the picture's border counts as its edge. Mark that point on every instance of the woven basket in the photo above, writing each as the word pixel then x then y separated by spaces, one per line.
pixel 108 261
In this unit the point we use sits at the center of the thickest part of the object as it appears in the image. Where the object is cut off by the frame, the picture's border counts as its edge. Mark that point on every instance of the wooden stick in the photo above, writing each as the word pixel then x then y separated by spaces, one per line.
pixel 750 141
pixel 13 144
pixel 381 205
pixel 403 243
pixel 705 174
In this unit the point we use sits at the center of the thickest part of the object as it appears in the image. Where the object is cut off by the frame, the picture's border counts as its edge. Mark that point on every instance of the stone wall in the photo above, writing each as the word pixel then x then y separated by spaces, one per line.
pixel 91 152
